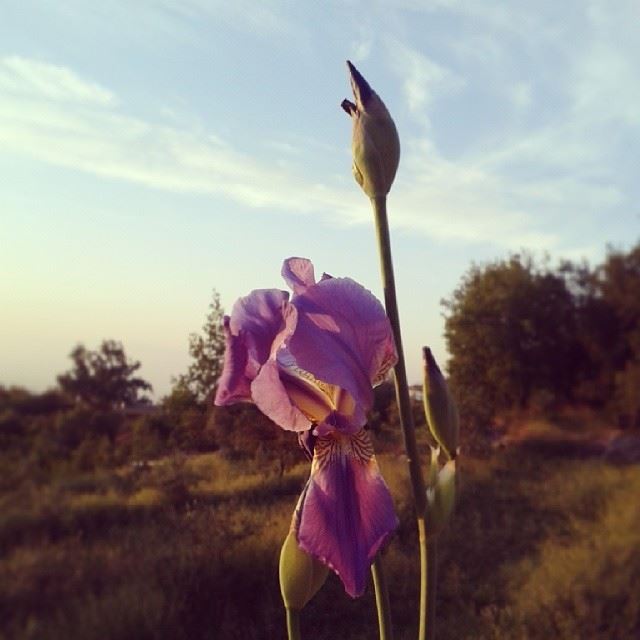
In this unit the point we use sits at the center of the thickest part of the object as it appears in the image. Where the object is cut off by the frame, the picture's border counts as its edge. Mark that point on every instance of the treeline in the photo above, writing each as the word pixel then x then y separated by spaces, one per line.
pixel 520 334
pixel 100 415
pixel 527 335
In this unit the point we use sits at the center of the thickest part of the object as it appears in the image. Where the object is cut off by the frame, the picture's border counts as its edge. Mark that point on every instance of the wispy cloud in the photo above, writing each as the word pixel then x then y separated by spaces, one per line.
pixel 423 77
pixel 34 79
pixel 361 46
pixel 83 135
pixel 466 200
pixel 266 18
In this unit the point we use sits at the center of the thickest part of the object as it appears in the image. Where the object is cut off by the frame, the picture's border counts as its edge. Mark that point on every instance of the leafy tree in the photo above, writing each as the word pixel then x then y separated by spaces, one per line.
pixel 511 332
pixel 207 352
pixel 608 313
pixel 104 378
pixel 618 284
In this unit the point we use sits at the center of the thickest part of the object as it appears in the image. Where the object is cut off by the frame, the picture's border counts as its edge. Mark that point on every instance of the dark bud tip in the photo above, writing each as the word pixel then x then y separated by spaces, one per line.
pixel 359 85
pixel 349 107
pixel 429 360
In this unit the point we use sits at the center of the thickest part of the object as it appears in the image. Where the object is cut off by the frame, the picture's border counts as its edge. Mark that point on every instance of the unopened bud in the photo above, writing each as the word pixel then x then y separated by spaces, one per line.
pixel 375 143
pixel 439 408
pixel 301 575
pixel 441 495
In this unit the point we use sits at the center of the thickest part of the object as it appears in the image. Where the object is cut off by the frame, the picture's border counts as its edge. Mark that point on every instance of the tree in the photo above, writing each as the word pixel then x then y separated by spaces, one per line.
pixel 618 283
pixel 207 352
pixel 511 332
pixel 104 378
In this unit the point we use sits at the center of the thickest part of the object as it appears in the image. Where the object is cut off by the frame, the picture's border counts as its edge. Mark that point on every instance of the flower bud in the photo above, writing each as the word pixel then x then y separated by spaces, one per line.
pixel 375 143
pixel 439 408
pixel 301 575
pixel 441 494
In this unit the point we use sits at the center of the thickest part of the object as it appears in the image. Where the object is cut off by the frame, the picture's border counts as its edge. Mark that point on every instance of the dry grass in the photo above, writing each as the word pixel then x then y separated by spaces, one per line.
pixel 541 546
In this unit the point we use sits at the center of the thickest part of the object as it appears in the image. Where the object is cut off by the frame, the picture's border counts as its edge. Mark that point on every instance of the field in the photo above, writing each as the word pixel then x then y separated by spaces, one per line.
pixel 545 543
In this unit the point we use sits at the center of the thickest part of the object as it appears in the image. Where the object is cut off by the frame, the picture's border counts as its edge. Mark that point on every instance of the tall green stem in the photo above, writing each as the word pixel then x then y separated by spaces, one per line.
pixel 382 599
pixel 432 581
pixel 402 395
pixel 293 624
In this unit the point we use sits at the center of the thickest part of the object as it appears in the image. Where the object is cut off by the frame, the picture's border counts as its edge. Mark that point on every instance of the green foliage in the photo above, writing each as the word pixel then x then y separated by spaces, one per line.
pixel 618 281
pixel 189 405
pixel 523 335
pixel 187 417
pixel 103 378
pixel 511 330
pixel 207 352
pixel 149 437
pixel 508 326
pixel 242 431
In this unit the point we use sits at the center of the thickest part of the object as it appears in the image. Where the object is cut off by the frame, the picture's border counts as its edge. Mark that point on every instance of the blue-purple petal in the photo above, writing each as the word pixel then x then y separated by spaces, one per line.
pixel 343 337
pixel 234 385
pixel 271 397
pixel 298 274
pixel 346 511
pixel 262 317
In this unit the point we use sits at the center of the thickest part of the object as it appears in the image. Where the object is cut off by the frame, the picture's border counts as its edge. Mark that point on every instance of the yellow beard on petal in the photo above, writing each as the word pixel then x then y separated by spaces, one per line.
pixel 314 398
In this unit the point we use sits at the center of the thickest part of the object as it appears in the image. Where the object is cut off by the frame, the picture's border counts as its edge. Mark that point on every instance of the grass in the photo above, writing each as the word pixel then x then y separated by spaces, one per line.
pixel 541 546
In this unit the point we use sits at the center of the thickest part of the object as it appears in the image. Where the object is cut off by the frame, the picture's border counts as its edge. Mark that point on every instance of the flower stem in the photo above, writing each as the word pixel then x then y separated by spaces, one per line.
pixel 293 624
pixel 402 396
pixel 432 580
pixel 382 599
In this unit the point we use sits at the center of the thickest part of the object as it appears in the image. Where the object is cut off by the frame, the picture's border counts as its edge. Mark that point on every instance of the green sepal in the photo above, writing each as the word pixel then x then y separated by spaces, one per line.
pixel 301 575
pixel 441 496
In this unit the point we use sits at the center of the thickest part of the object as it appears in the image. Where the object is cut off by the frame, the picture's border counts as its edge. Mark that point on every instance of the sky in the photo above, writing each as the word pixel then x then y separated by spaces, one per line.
pixel 154 150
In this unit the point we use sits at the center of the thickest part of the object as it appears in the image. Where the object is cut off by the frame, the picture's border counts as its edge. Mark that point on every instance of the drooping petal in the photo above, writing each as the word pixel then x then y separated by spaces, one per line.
pixel 234 385
pixel 298 274
pixel 259 325
pixel 345 513
pixel 265 319
pixel 271 397
pixel 343 337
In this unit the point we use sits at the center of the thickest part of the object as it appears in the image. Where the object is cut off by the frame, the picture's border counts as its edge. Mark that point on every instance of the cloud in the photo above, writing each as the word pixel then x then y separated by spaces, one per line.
pixel 361 46
pixel 461 202
pixel 465 200
pixel 265 18
pixel 71 127
pixel 424 79
pixel 605 85
pixel 32 78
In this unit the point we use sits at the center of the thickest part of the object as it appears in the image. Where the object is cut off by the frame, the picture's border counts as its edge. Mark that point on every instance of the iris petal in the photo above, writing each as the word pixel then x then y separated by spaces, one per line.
pixel 234 385
pixel 345 513
pixel 265 318
pixel 271 397
pixel 298 274
pixel 343 337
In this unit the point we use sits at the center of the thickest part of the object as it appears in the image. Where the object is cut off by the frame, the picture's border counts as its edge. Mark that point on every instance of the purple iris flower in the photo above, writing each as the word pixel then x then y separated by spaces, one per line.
pixel 310 364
